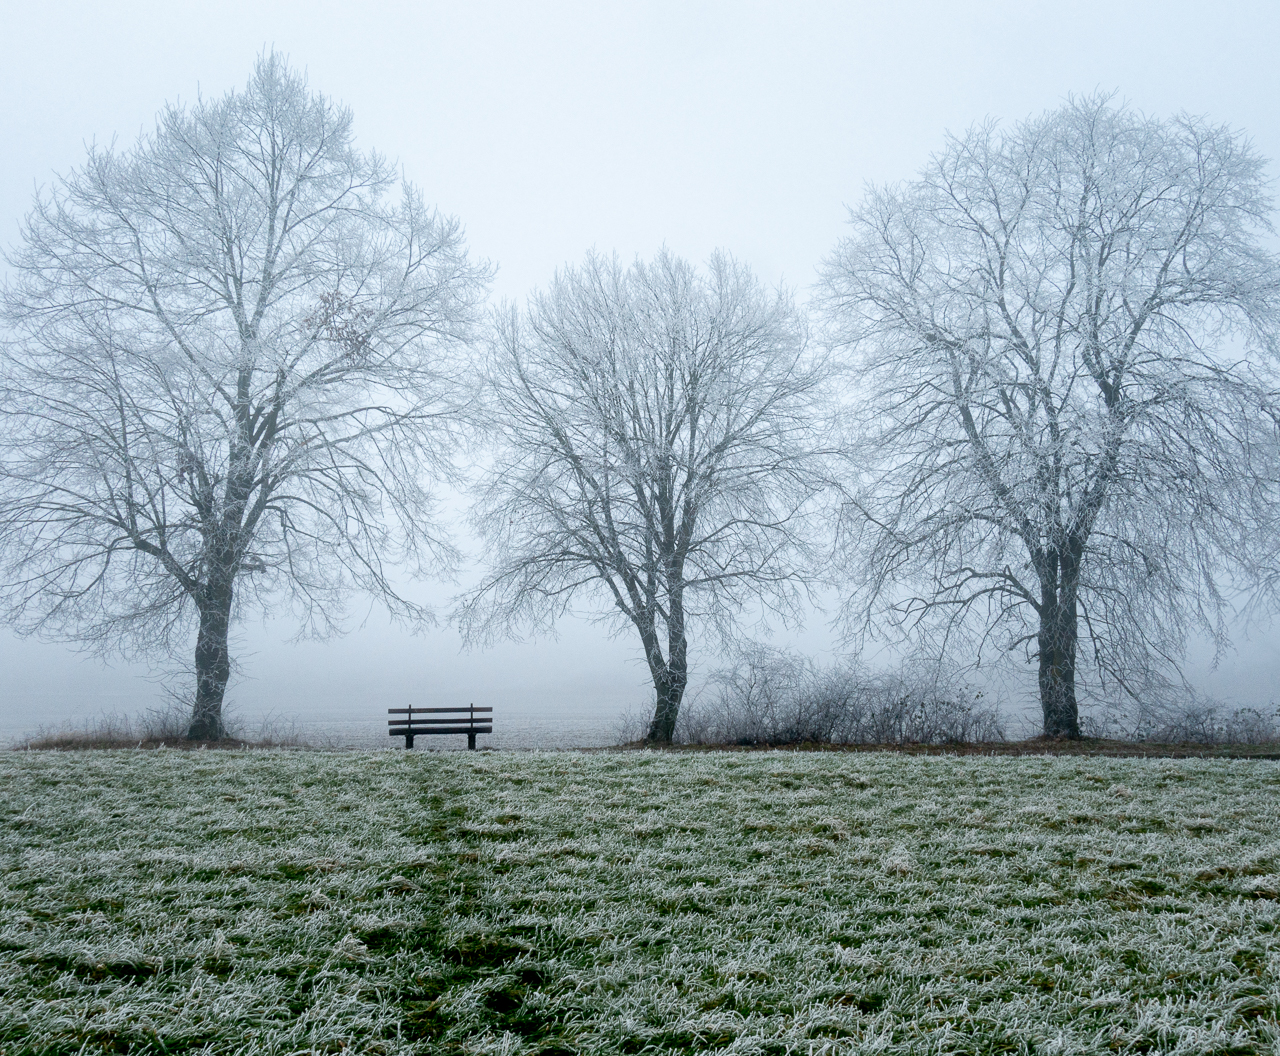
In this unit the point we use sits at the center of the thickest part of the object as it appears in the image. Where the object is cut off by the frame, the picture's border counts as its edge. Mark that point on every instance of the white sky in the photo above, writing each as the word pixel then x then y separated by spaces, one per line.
pixel 551 128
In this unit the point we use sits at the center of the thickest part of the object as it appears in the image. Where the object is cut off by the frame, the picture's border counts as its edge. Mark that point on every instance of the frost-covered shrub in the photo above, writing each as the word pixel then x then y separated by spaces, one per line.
pixel 1188 719
pixel 773 697
pixel 1203 722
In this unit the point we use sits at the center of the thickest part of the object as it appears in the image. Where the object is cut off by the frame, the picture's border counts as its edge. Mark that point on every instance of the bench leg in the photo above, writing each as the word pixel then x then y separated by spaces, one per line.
pixel 471 741
pixel 408 741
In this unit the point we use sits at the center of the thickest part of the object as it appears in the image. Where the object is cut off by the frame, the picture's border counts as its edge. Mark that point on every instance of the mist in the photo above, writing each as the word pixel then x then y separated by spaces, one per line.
pixel 550 130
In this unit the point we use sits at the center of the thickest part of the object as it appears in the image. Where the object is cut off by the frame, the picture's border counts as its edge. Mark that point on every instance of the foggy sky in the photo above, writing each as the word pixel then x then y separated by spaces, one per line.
pixel 553 128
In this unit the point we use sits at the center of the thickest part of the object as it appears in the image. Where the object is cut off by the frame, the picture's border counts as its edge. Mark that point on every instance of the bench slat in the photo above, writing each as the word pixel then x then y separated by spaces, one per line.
pixel 424 711
pixel 397 723
pixel 441 729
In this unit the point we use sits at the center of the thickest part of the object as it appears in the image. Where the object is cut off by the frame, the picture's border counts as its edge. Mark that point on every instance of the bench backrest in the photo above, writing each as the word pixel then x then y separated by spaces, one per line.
pixel 437 711
pixel 482 714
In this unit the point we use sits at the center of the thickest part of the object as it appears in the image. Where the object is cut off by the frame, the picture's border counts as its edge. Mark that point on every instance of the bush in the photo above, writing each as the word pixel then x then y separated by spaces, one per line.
pixel 772 697
pixel 1211 723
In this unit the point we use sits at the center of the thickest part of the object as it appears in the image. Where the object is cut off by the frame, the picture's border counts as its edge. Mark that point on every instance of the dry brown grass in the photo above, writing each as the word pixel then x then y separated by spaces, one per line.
pixel 1085 746
pixel 163 729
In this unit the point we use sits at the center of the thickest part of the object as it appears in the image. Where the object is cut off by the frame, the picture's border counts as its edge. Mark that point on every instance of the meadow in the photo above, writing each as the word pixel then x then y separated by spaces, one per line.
pixel 629 902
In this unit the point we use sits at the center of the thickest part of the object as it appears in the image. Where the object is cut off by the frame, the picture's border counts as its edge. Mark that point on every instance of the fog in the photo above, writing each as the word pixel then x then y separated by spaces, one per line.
pixel 550 129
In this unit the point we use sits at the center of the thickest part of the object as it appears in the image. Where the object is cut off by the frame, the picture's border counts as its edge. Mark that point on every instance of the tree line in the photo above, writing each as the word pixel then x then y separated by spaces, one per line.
pixel 1036 412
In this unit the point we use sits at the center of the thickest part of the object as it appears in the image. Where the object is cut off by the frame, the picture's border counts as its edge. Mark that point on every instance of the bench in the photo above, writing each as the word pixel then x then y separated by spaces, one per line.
pixel 469 720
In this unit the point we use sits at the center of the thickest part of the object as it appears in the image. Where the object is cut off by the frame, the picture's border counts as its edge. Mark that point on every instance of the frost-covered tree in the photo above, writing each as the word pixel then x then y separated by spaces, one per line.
pixel 229 377
pixel 653 448
pixel 1060 327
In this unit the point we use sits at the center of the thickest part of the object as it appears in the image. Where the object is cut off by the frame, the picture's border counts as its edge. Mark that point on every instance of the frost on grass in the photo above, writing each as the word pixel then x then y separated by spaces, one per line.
pixel 628 902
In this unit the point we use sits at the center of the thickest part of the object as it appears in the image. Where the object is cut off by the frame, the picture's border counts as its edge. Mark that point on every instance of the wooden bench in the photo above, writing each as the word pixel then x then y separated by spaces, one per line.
pixel 469 720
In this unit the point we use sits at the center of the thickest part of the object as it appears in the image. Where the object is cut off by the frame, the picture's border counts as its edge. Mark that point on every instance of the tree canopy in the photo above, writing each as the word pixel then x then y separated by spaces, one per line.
pixel 230 379
pixel 1063 330
pixel 653 432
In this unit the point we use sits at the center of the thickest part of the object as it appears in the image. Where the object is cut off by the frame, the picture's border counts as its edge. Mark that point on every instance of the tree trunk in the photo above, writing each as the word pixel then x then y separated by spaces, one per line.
pixel 1057 645
pixel 213 661
pixel 671 678
pixel 670 691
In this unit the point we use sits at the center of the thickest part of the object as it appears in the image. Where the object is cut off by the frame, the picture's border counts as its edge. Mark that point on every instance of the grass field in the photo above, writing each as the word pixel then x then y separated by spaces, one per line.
pixel 628 902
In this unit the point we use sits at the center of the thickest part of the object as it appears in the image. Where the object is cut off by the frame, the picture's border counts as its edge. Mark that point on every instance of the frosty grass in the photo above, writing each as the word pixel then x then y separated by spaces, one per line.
pixel 393 902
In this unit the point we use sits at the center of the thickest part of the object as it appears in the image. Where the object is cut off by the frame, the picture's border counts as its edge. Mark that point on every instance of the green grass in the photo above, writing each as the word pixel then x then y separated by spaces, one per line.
pixel 628 902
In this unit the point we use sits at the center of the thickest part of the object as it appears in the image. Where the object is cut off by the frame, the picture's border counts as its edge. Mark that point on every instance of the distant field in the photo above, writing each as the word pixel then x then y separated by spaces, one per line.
pixel 628 902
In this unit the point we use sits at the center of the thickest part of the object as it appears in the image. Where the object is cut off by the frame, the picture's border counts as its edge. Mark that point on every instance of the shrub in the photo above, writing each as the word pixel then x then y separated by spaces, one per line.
pixel 773 697
pixel 1211 722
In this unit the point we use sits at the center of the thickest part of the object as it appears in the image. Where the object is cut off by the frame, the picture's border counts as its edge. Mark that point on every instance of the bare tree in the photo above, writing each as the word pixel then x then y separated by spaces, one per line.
pixel 1059 326
pixel 653 431
pixel 230 377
